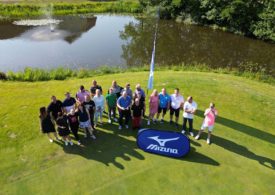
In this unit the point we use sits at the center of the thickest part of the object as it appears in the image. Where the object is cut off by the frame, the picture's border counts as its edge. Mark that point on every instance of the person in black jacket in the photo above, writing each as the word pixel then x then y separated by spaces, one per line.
pixel 54 107
pixel 46 124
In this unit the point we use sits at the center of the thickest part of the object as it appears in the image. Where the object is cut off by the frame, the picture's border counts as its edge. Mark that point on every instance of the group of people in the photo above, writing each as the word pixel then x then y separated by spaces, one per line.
pixel 86 110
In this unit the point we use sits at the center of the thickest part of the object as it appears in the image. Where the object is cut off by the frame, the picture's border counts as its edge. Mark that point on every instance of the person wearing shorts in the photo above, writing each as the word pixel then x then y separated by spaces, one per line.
pixel 63 128
pixel 177 101
pixel 208 122
pixel 164 104
pixel 84 121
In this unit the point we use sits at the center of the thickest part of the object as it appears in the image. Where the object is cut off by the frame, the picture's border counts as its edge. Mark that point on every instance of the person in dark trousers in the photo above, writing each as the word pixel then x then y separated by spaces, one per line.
pixel 54 107
pixel 74 124
pixel 189 109
pixel 89 104
pixel 47 124
pixel 63 128
pixel 111 100
pixel 124 104
pixel 137 109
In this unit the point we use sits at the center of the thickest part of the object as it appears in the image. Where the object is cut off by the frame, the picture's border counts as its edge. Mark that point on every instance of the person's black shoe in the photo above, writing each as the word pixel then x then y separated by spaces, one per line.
pixel 171 122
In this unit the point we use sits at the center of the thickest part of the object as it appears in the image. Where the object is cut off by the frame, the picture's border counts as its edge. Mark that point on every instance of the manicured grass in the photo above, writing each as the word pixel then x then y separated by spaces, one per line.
pixel 239 161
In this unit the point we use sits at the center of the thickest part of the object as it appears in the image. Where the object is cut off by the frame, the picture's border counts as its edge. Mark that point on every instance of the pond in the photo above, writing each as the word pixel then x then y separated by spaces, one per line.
pixel 126 41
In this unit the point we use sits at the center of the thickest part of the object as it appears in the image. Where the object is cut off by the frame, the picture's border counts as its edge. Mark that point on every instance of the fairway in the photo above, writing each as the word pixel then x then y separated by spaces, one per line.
pixel 240 160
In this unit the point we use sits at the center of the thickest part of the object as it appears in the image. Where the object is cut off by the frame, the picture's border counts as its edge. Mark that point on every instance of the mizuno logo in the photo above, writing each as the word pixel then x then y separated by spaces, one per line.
pixel 162 142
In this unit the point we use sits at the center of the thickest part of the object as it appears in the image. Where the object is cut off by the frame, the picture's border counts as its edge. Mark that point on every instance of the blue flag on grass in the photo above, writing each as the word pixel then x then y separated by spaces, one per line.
pixel 152 66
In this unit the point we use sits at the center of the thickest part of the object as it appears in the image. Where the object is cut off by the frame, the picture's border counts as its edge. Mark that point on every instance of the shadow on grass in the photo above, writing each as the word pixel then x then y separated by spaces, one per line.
pixel 243 151
pixel 243 128
pixel 107 148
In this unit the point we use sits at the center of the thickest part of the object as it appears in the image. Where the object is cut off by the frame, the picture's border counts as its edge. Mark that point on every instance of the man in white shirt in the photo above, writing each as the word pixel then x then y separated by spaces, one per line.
pixel 189 109
pixel 177 101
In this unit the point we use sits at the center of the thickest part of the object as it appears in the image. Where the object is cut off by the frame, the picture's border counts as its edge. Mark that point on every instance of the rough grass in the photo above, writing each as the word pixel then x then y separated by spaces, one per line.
pixel 27 9
pixel 239 161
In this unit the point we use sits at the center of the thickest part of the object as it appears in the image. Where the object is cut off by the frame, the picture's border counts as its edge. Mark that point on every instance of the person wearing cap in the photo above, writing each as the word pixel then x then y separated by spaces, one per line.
pixel 80 95
pixel 54 107
pixel 177 101
pixel 128 90
pixel 164 104
pixel 111 99
pixel 208 122
pixel 68 103
pixel 189 109
pixel 94 87
pixel 124 104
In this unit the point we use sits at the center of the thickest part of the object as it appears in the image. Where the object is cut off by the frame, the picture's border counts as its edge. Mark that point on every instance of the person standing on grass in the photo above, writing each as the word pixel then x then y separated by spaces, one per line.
pixel 74 124
pixel 111 99
pixel 84 121
pixel 153 106
pixel 63 128
pixel 80 95
pixel 69 103
pixel 47 124
pixel 164 104
pixel 124 104
pixel 89 105
pixel 137 109
pixel 54 107
pixel 94 87
pixel 116 89
pixel 128 90
pixel 189 109
pixel 177 102
pixel 139 93
pixel 208 122
pixel 99 106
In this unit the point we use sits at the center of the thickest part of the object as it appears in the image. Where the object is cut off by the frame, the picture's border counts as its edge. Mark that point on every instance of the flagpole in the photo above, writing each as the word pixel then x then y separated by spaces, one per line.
pixel 152 65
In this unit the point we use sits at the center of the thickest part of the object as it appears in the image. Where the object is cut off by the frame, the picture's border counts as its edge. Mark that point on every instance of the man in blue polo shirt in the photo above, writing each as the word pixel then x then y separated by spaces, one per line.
pixel 124 105
pixel 164 104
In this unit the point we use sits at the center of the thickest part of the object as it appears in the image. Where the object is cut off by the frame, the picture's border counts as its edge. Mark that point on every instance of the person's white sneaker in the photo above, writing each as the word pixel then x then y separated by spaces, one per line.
pixel 183 132
pixel 208 141
pixel 148 123
pixel 126 126
pixel 197 137
pixel 66 143
pixel 92 136
pixel 119 127
pixel 109 121
pixel 51 140
pixel 115 119
pixel 79 143
pixel 192 134
pixel 71 143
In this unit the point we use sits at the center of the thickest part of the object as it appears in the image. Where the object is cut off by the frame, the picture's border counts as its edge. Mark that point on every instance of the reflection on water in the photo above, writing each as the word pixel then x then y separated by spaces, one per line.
pixel 125 40
pixel 178 43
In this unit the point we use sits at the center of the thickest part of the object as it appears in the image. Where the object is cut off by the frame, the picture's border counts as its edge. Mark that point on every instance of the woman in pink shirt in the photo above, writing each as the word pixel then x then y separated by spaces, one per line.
pixel 208 122
pixel 153 105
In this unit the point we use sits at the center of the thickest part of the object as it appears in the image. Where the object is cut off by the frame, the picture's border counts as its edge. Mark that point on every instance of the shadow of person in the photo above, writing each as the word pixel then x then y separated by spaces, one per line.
pixel 243 151
pixel 197 157
pixel 107 148
pixel 268 137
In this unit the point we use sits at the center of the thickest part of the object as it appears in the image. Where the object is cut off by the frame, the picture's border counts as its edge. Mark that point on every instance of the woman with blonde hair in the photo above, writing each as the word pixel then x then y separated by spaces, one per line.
pixel 153 106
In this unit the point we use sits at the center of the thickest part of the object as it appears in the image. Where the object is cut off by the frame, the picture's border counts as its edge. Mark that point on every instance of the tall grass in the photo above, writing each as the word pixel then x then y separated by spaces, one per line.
pixel 36 74
pixel 62 8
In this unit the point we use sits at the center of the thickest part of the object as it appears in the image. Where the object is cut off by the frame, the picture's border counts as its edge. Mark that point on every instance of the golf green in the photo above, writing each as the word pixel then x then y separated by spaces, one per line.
pixel 240 160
